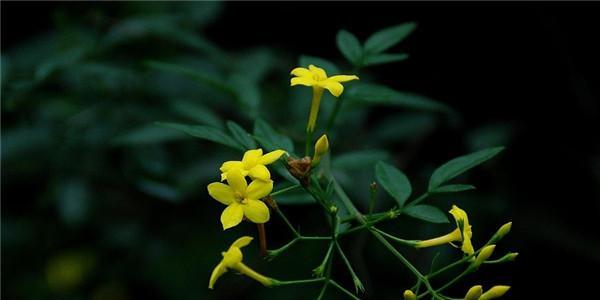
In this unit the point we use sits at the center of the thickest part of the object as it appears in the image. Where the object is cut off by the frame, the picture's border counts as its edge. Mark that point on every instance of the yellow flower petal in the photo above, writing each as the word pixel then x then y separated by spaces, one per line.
pixel 302 81
pixel 232 257
pixel 251 158
pixel 259 189
pixel 260 172
pixel 221 192
pixel 237 181
pixel 256 211
pixel 232 164
pixel 334 87
pixel 219 270
pixel 495 292
pixel 242 242
pixel 301 72
pixel 320 73
pixel 232 215
pixel 271 157
pixel 343 78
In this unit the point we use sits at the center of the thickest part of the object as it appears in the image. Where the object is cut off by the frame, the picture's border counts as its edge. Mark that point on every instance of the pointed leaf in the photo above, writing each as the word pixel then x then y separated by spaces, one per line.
pixel 426 213
pixel 375 94
pixel 357 160
pixel 453 188
pixel 384 58
pixel 393 181
pixel 240 135
pixel 460 165
pixel 271 139
pixel 349 46
pixel 205 132
pixel 386 38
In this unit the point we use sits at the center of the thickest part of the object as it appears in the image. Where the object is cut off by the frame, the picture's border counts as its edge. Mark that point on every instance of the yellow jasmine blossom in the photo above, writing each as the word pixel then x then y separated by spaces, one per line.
pixel 253 164
pixel 409 295
pixel 232 259
pixel 242 199
pixel 462 233
pixel 316 78
pixel 495 292
pixel 321 148
pixel 474 293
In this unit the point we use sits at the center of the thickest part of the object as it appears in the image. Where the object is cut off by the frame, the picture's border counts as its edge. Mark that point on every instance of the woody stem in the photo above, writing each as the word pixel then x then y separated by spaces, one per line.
pixel 262 238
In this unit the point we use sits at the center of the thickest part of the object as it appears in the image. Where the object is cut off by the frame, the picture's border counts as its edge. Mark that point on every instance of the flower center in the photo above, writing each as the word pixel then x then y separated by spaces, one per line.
pixel 239 198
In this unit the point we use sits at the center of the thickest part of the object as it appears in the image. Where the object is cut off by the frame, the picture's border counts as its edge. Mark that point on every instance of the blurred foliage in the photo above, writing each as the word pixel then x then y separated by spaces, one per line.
pixel 104 203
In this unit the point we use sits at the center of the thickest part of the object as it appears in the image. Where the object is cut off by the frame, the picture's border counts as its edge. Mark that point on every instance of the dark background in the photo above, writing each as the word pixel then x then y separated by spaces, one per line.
pixel 530 68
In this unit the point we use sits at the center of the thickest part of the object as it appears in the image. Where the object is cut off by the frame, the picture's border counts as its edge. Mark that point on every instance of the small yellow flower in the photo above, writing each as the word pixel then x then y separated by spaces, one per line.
pixel 462 233
pixel 321 147
pixel 495 292
pixel 474 293
pixel 316 78
pixel 253 164
pixel 242 199
pixel 232 259
pixel 409 295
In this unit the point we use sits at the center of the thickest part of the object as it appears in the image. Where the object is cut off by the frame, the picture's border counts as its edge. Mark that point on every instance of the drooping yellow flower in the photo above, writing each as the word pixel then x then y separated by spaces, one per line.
pixel 253 164
pixel 462 233
pixel 321 147
pixel 242 199
pixel 232 259
pixel 316 78
pixel 474 293
pixel 495 292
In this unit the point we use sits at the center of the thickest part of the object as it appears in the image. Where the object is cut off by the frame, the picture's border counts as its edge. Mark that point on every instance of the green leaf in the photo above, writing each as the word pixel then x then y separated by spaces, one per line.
pixel 453 188
pixel 203 78
pixel 358 160
pixel 295 199
pixel 426 213
pixel 196 112
pixel 460 165
pixel 247 93
pixel 205 132
pixel 241 135
pixel 149 134
pixel 381 95
pixel 329 67
pixel 349 46
pixel 271 139
pixel 386 38
pixel 393 181
pixel 384 58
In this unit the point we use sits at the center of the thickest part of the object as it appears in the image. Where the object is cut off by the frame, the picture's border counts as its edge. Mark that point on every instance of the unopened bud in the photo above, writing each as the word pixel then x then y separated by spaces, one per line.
pixel 474 293
pixel 321 147
pixel 485 253
pixel 409 295
pixel 495 292
pixel 504 230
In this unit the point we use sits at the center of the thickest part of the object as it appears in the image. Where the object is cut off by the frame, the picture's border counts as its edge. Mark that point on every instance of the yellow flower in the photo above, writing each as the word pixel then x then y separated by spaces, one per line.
pixel 495 292
pixel 474 293
pixel 253 164
pixel 409 295
pixel 232 259
pixel 316 78
pixel 321 147
pixel 462 233
pixel 241 198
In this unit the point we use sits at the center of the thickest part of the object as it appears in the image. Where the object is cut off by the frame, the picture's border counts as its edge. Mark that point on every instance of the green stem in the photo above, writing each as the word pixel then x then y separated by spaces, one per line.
pixel 323 290
pixel 287 222
pixel 301 281
pixel 334 113
pixel 345 291
pixel 309 136
pixel 357 283
pixel 420 199
pixel 396 239
pixel 287 189
pixel 447 285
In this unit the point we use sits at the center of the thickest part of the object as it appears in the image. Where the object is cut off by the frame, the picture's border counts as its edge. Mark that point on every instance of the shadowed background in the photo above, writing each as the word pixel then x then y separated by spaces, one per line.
pixel 99 203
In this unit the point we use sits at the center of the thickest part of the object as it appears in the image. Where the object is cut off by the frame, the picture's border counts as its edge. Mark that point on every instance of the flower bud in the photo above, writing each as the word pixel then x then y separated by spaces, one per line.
pixel 485 253
pixel 321 147
pixel 495 292
pixel 504 230
pixel 474 293
pixel 409 295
